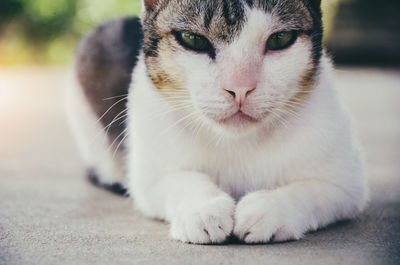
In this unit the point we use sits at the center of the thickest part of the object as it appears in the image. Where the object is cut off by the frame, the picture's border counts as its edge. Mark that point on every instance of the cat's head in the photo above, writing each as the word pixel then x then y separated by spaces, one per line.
pixel 235 63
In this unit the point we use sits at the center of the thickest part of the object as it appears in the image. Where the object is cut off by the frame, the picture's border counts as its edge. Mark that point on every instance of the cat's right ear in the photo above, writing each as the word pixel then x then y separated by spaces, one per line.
pixel 148 5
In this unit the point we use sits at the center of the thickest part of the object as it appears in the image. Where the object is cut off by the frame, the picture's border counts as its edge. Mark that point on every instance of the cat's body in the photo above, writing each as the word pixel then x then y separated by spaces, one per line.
pixel 232 138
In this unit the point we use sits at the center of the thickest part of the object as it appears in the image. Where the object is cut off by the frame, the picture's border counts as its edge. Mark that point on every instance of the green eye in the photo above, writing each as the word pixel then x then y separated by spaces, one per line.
pixel 194 42
pixel 281 40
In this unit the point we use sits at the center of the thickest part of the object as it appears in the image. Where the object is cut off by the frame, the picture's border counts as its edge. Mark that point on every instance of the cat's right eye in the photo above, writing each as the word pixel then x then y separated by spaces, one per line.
pixel 194 42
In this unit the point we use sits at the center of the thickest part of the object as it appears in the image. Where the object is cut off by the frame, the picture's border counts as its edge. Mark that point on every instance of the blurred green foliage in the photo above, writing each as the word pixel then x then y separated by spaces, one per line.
pixel 40 20
pixel 46 31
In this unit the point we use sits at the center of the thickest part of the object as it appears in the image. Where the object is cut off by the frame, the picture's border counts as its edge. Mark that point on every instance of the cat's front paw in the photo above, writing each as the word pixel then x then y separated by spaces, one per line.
pixel 209 222
pixel 263 217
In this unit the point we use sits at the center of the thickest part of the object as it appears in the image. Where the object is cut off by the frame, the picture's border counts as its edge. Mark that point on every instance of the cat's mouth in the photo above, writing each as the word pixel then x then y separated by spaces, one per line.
pixel 238 119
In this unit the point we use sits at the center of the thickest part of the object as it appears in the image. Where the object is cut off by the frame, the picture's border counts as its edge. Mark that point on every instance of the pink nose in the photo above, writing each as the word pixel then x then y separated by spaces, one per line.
pixel 240 94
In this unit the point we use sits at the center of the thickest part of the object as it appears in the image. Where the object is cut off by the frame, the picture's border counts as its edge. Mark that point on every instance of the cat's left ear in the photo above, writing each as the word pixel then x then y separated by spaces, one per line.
pixel 316 4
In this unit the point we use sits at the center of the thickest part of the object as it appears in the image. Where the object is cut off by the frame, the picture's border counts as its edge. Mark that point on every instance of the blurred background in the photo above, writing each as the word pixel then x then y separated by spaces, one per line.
pixel 46 31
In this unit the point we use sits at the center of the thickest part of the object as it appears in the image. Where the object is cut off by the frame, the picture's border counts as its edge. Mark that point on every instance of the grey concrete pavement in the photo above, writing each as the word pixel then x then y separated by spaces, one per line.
pixel 49 214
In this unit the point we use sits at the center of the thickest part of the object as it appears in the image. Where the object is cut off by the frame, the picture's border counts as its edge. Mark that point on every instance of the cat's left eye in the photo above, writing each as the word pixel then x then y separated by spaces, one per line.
pixel 281 40
pixel 194 42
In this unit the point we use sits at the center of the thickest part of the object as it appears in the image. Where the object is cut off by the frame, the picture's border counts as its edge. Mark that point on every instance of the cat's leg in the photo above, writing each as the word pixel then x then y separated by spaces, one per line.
pixel 287 213
pixel 198 211
pixel 104 165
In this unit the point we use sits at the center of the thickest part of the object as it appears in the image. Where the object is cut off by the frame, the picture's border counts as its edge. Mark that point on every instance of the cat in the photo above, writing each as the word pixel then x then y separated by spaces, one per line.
pixel 229 123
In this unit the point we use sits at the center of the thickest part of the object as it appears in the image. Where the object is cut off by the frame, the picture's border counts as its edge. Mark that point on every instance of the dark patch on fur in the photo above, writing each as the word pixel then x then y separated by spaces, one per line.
pixel 115 188
pixel 105 60
pixel 316 33
pixel 152 45
pixel 249 3
pixel 315 4
pixel 233 11
pixel 153 37
pixel 209 15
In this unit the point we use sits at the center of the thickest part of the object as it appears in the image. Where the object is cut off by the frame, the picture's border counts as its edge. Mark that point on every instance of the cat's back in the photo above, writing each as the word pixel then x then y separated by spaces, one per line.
pixel 104 63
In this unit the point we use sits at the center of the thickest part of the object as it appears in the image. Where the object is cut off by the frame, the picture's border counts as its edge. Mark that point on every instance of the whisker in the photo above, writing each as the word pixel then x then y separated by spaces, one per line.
pixel 114 121
pixel 108 110
pixel 116 139
pixel 188 124
pixel 117 118
pixel 161 112
pixel 106 129
pixel 115 97
pixel 176 123
pixel 200 126
pixel 119 145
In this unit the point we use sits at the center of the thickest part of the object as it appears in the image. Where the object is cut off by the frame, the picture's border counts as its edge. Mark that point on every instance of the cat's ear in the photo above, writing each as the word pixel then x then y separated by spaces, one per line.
pixel 316 4
pixel 149 5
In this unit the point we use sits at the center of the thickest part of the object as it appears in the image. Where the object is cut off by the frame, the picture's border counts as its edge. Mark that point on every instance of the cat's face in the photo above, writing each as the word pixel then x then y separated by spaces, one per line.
pixel 236 63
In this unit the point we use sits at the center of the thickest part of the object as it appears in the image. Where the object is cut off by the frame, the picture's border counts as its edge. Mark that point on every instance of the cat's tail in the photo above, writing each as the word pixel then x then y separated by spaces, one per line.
pixel 116 188
pixel 104 164
pixel 97 99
